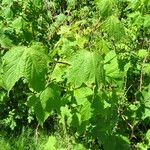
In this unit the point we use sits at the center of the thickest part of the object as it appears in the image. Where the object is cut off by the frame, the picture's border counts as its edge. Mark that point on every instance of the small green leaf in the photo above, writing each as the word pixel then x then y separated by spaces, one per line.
pixel 66 116
pixel 147 68
pixel 18 24
pixel 81 94
pixel 142 53
pixel 146 96
pixel 5 42
pixel 8 13
pixel 50 98
pixel 148 137
pixel 111 65
pixel 58 72
pixel 147 21
pixel 61 17
pixel 37 3
pixel 4 2
pixel 86 111
pixel 50 145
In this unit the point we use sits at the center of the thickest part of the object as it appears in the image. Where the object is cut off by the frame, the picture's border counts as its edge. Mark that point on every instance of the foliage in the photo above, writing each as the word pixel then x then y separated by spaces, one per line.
pixel 27 140
pixel 84 62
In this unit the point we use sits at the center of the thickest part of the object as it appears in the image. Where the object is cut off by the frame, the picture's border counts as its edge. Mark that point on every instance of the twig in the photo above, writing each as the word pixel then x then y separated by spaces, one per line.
pixel 36 133
pixel 131 127
pixel 65 63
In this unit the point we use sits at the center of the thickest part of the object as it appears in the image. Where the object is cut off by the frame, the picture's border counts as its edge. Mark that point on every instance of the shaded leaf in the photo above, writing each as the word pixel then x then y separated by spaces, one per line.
pixel 34 101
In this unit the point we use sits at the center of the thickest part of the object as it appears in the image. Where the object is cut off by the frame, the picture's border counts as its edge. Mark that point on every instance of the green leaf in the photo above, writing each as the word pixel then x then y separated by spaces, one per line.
pixel 146 96
pixel 114 28
pixel 79 147
pixel 7 13
pixel 111 65
pixel 115 142
pixel 71 3
pixel 67 49
pixel 148 137
pixel 50 145
pixel 18 24
pixel 81 40
pixel 36 63
pixel 142 53
pixel 13 66
pixel 61 17
pixel 22 62
pixel 81 94
pixel 50 98
pixel 147 68
pixel 44 104
pixel 37 3
pixel 86 67
pixel 4 2
pixel 66 116
pixel 86 111
pixel 34 101
pixel 147 21
pixel 58 72
pixel 5 42
pixel 105 7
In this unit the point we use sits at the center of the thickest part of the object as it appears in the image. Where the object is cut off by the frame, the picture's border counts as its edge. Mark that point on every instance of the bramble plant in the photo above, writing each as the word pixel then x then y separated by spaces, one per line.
pixel 87 63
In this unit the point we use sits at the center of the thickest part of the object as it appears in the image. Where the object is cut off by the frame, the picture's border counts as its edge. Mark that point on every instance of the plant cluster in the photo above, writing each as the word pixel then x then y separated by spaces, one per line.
pixel 84 63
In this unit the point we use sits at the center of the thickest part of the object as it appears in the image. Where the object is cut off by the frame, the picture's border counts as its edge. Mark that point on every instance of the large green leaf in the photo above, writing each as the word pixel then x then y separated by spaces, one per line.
pixel 36 67
pixel 114 28
pixel 86 67
pixel 105 7
pixel 30 63
pixel 13 66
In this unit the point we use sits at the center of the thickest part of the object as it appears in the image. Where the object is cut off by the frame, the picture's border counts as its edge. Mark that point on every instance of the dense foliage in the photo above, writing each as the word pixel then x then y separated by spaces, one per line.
pixel 83 65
